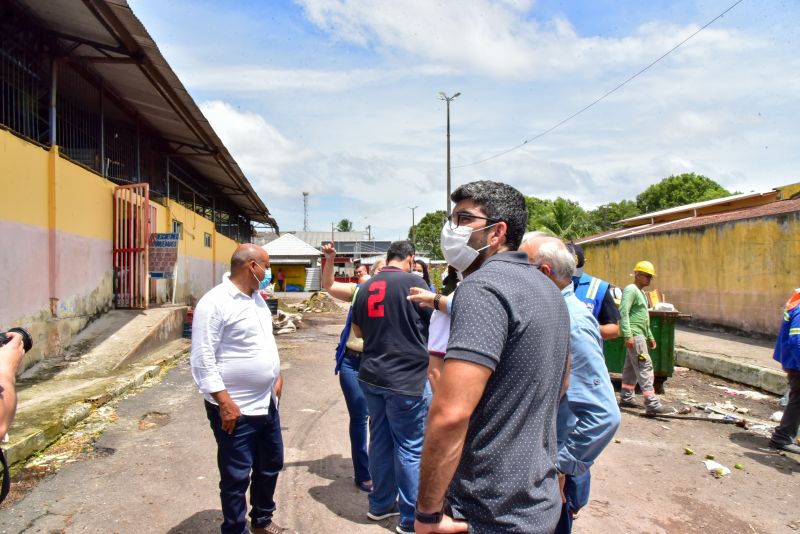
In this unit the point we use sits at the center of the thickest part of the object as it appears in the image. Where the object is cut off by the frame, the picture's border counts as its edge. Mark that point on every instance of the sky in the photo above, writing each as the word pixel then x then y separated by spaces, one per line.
pixel 339 98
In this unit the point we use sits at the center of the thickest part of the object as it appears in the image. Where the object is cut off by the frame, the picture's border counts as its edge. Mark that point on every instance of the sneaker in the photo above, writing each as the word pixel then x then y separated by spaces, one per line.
pixel 789 447
pixel 659 409
pixel 400 529
pixel 383 515
pixel 271 528
pixel 364 486
pixel 628 402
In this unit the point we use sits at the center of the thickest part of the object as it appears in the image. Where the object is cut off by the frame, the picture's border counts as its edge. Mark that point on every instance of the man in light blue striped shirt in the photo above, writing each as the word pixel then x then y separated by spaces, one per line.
pixel 588 415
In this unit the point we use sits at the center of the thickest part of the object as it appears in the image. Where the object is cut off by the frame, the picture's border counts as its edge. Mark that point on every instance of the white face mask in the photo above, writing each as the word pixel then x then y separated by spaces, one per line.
pixel 455 249
pixel 417 273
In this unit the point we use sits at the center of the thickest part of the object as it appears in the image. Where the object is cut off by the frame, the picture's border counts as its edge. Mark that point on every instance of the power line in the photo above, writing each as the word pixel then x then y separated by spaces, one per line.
pixel 607 94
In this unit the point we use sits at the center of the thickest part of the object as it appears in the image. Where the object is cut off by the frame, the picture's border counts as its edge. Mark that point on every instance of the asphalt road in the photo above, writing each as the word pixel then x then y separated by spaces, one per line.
pixel 153 468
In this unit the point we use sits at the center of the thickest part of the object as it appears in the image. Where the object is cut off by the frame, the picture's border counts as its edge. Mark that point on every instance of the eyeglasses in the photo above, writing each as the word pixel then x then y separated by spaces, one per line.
pixel 463 218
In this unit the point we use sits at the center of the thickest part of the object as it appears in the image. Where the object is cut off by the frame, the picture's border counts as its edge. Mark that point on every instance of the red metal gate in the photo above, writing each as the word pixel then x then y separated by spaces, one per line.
pixel 132 215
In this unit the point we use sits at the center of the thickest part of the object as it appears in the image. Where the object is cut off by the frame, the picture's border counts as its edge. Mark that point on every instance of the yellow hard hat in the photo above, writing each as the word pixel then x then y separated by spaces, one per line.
pixel 645 267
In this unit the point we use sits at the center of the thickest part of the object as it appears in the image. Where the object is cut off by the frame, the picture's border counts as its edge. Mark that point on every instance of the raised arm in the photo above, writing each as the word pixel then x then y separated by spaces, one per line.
pixel 338 290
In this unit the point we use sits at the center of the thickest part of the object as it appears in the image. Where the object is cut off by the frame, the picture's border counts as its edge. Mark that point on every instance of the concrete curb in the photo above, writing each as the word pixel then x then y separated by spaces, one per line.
pixel 764 378
pixel 26 446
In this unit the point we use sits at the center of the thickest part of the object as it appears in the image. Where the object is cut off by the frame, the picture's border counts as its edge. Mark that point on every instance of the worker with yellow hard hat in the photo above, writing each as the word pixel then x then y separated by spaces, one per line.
pixel 635 327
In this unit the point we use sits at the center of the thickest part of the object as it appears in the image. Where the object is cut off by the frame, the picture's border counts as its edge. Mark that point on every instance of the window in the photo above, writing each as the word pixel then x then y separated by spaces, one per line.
pixel 177 228
pixel 207 239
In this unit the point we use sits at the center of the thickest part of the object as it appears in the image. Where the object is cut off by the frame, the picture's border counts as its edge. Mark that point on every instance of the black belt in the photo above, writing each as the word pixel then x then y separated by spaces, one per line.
pixel 351 353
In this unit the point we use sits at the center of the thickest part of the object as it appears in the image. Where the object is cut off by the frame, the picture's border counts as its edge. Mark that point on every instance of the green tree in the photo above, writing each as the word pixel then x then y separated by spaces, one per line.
pixel 678 190
pixel 604 217
pixel 345 225
pixel 537 208
pixel 563 218
pixel 427 234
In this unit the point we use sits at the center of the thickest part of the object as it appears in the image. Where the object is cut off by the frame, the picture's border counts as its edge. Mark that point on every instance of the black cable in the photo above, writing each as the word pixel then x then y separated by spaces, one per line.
pixel 547 131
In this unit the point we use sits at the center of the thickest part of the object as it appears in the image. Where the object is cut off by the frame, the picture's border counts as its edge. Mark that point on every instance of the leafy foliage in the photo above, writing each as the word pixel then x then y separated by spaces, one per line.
pixel 561 217
pixel 679 190
pixel 604 217
pixel 345 225
pixel 427 233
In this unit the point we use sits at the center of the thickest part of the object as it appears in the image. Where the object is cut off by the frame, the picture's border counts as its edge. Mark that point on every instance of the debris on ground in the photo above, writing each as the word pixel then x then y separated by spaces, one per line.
pixel 285 323
pixel 687 451
pixel 318 302
pixel 716 469
pixel 777 416
pixel 739 467
pixel 709 456
pixel 747 394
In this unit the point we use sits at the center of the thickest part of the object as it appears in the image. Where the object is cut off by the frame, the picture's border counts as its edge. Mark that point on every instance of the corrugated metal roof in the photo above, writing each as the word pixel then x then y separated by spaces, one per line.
pixel 288 245
pixel 704 208
pixel 766 210
pixel 115 45
pixel 316 239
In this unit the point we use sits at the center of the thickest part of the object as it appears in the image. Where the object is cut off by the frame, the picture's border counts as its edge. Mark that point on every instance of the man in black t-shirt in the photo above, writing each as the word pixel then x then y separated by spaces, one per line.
pixel 393 376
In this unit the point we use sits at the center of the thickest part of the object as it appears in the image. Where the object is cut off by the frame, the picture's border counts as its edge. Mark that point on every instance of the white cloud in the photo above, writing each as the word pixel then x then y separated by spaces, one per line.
pixel 501 39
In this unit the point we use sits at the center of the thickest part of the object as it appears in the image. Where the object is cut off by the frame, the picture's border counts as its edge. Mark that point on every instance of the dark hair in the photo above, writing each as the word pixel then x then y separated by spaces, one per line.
pixel 451 282
pixel 424 271
pixel 400 250
pixel 499 201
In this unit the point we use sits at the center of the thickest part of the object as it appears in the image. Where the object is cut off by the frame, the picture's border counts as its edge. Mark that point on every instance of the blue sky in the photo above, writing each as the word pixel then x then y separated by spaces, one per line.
pixel 339 97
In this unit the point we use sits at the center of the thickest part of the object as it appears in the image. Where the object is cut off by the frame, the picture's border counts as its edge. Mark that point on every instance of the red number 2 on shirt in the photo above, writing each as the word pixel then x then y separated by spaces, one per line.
pixel 377 292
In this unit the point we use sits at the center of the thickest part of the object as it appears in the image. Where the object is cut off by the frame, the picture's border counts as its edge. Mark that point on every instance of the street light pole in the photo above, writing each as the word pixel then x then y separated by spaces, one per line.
pixel 448 99
pixel 413 224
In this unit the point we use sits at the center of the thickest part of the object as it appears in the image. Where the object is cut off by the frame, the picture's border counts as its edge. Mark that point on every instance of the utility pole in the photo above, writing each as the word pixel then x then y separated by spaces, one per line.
pixel 331 232
pixel 413 226
pixel 305 211
pixel 448 99
pixel 369 232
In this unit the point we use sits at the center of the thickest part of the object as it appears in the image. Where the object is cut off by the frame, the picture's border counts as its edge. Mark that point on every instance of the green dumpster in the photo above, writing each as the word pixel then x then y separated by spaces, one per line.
pixel 662 324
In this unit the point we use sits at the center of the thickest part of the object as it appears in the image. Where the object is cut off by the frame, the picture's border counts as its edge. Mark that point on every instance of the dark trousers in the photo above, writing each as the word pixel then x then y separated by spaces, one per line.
pixel 251 456
pixel 576 490
pixel 786 432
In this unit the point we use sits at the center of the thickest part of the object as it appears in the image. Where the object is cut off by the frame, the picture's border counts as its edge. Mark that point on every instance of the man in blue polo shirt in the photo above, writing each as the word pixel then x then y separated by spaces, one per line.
pixel 393 376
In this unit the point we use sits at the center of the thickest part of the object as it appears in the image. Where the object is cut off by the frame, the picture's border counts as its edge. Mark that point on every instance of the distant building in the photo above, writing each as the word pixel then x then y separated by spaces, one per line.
pixel 102 146
pixel 729 262
pixel 295 258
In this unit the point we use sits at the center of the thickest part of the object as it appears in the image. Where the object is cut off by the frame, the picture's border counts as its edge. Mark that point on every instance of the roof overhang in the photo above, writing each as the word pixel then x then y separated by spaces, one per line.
pixel 106 38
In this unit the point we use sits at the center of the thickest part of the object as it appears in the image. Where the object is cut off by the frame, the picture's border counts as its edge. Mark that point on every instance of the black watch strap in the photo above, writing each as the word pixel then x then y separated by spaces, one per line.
pixel 428 519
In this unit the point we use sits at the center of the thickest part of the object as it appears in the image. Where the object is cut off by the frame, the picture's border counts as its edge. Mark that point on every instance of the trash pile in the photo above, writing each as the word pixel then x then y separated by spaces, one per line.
pixel 285 323
pixel 318 302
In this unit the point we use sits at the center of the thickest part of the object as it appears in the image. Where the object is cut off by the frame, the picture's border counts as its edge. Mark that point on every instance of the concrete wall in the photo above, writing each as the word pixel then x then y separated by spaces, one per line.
pixel 56 237
pixel 736 275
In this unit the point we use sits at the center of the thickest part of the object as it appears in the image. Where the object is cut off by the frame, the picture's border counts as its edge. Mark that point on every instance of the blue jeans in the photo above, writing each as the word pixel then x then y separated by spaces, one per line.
pixel 359 417
pixel 397 428
pixel 576 490
pixel 251 456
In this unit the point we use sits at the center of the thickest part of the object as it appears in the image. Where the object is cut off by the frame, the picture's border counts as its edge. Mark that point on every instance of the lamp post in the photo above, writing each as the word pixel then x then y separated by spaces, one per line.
pixel 413 224
pixel 448 99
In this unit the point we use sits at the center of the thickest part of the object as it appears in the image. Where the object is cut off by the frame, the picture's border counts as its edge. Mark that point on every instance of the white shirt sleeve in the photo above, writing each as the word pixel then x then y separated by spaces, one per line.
pixel 206 335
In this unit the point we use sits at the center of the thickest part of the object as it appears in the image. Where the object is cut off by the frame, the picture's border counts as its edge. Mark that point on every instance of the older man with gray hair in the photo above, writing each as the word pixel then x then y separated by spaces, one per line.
pixel 588 415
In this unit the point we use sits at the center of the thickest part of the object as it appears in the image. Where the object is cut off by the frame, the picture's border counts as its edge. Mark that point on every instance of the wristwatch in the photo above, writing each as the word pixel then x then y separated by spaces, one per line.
pixel 428 519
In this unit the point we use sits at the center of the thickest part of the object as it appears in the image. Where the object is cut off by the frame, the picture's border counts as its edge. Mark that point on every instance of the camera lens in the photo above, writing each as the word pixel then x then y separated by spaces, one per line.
pixel 27 340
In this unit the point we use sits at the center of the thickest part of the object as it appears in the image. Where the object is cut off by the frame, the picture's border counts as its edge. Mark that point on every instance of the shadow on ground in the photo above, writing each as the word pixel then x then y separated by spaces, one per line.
pixel 205 521
pixel 341 496
pixel 760 451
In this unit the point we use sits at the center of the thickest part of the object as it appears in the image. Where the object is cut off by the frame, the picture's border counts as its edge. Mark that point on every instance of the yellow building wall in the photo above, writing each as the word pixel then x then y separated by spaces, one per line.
pixel 56 234
pixel 736 275
pixel 294 274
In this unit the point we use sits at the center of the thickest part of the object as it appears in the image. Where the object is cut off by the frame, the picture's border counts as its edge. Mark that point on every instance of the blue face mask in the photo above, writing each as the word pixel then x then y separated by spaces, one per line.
pixel 262 284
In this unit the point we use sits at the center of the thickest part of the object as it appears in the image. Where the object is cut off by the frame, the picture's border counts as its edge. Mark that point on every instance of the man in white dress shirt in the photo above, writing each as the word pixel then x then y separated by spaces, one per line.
pixel 236 365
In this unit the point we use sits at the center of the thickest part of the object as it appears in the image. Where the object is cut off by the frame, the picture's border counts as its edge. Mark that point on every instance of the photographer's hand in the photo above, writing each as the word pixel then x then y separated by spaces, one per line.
pixel 10 357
